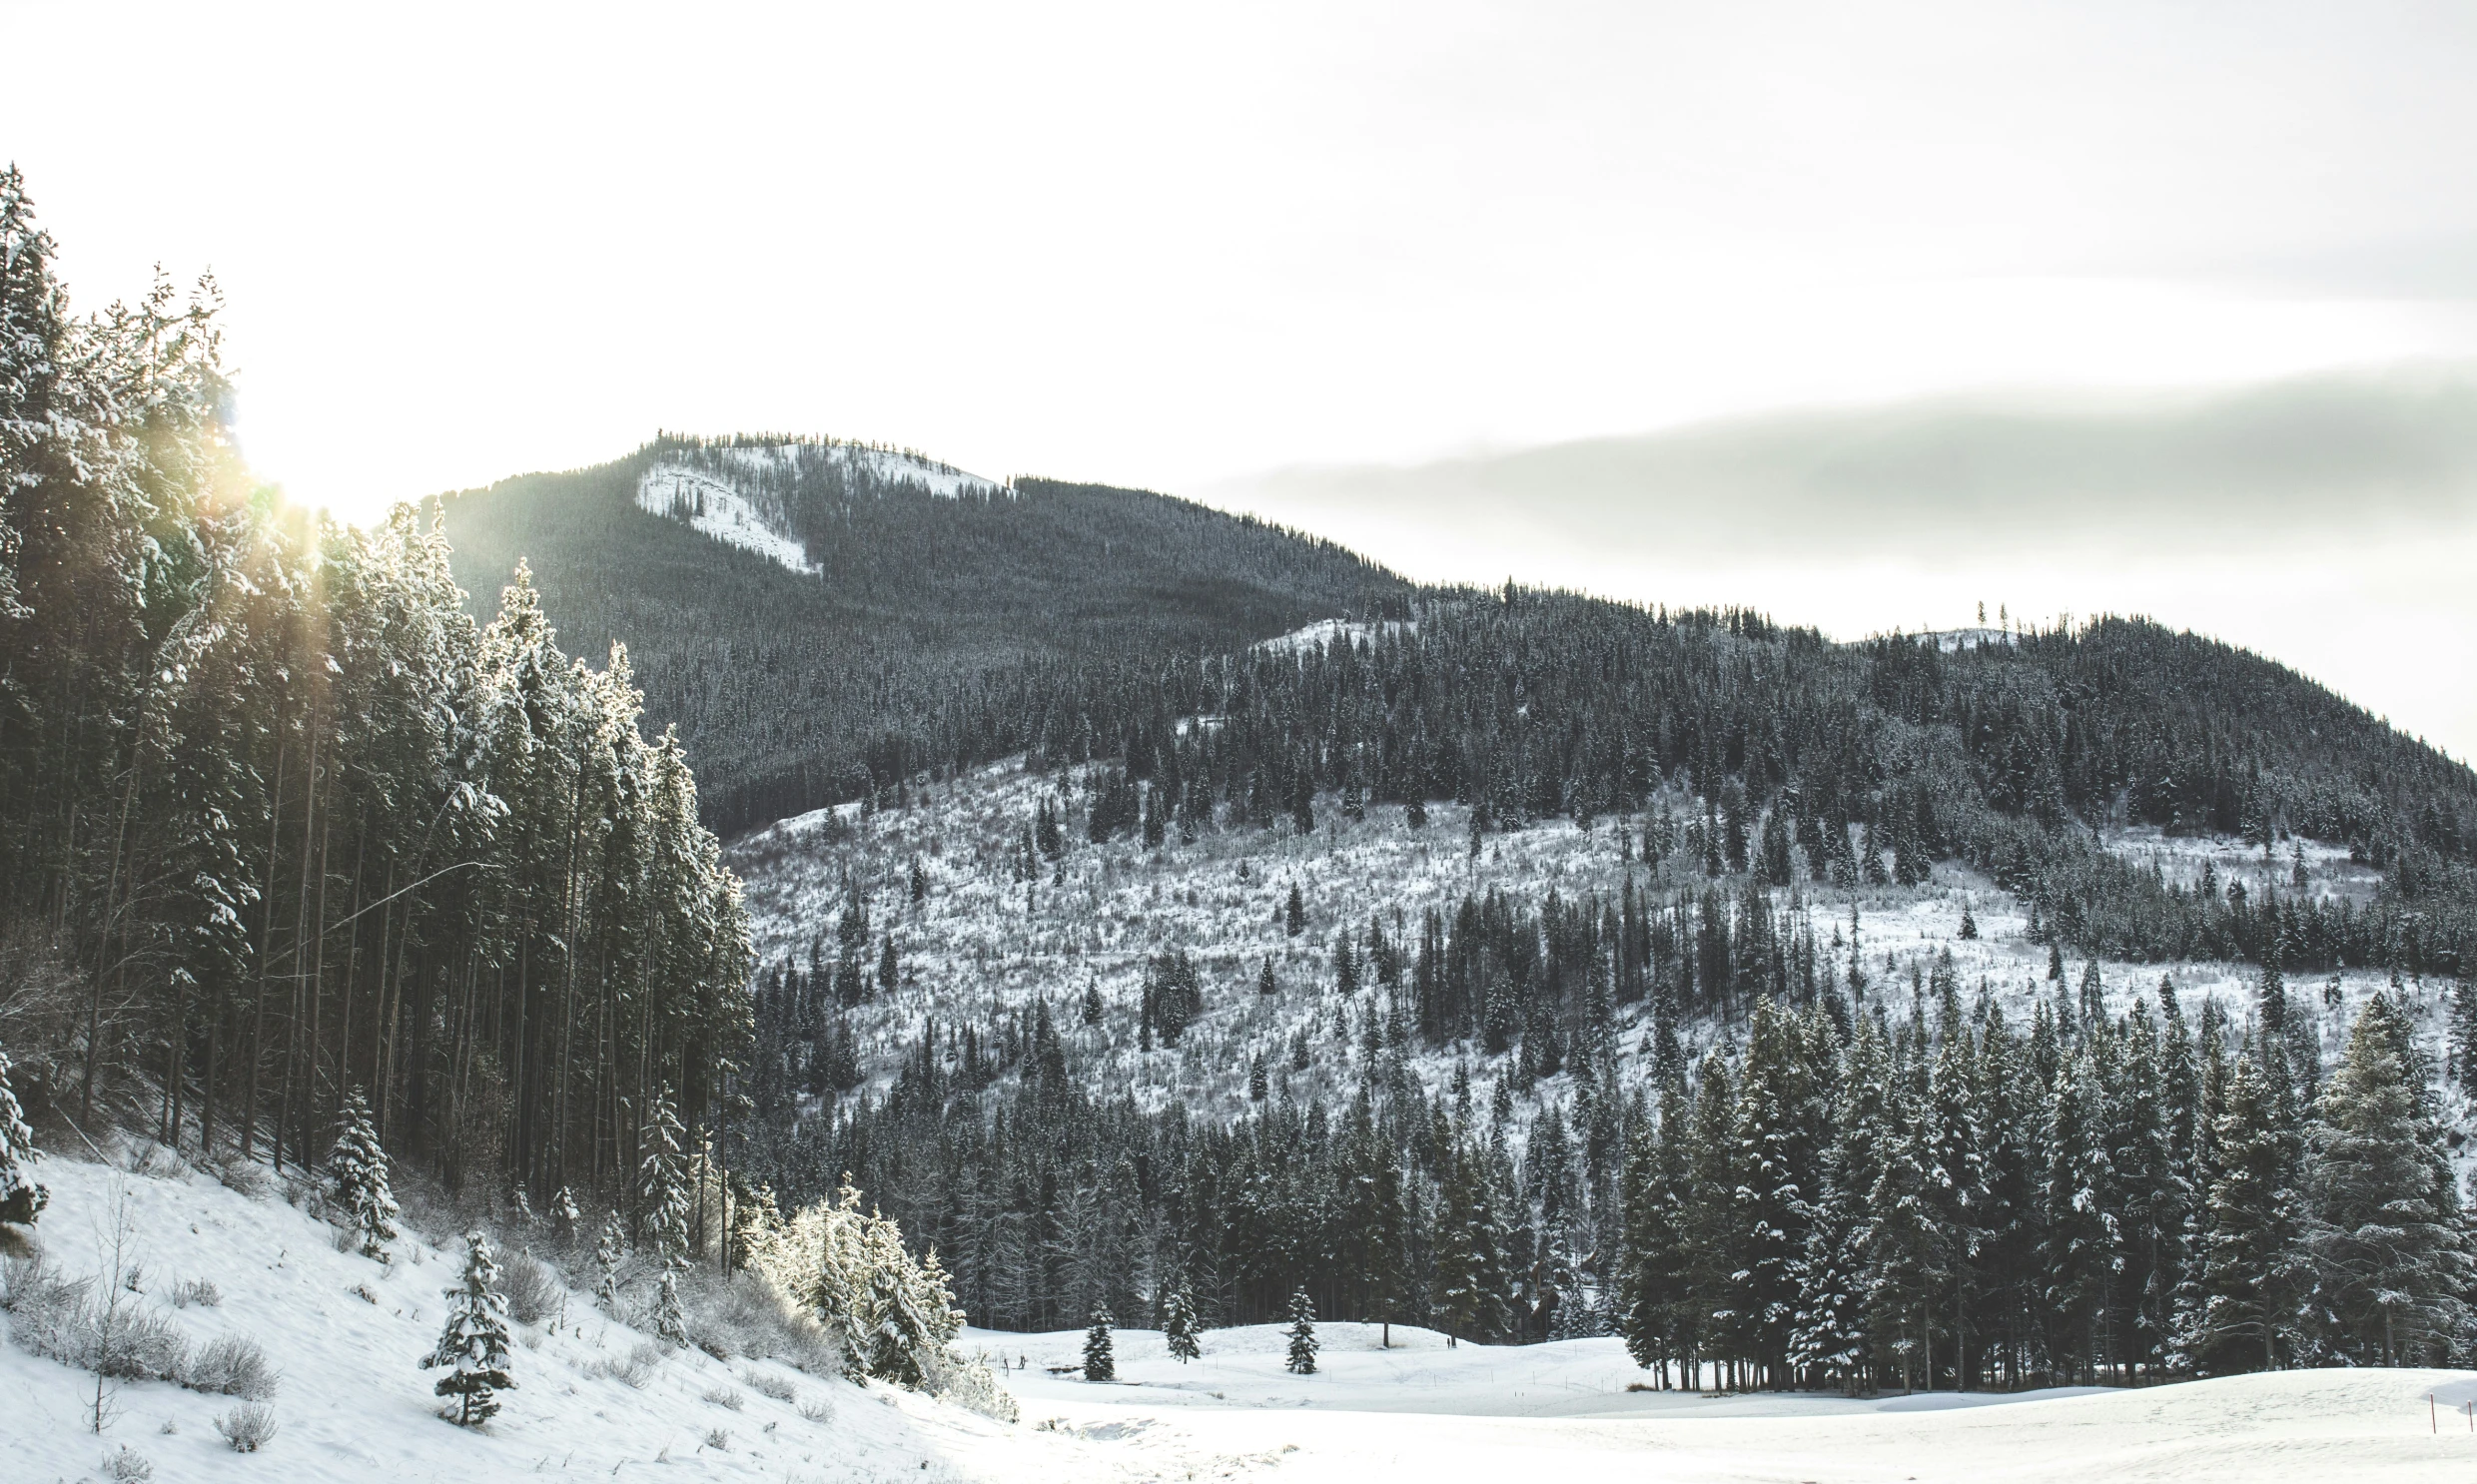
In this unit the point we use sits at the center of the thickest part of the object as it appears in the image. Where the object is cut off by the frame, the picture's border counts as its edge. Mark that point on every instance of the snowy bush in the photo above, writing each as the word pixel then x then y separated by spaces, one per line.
pixel 970 1385
pixel 199 1291
pixel 243 1176
pixel 127 1466
pixel 232 1366
pixel 718 1439
pixel 632 1370
pixel 746 1317
pixel 534 1289
pixel 42 1304
pixel 776 1387
pixel 131 1343
pixel 248 1427
pixel 725 1396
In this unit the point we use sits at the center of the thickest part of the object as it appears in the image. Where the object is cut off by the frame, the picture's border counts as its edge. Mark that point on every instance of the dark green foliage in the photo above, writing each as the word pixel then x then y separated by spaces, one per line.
pixel 1301 1359
pixel 1099 1363
pixel 795 691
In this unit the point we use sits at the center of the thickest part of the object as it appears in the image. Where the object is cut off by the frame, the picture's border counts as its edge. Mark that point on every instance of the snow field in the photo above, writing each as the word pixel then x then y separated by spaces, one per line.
pixel 352 1403
pixel 1422 1411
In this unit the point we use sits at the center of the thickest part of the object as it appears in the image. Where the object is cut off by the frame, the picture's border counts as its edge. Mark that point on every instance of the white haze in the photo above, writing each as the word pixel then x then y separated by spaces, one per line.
pixel 1177 245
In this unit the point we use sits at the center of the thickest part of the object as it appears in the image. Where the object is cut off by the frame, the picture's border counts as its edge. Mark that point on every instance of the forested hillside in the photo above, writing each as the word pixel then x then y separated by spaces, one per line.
pixel 281 821
pixel 798 689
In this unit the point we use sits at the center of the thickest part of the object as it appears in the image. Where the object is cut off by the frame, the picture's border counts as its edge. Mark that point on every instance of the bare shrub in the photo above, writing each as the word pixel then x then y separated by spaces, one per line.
pixel 232 1366
pixel 718 1439
pixel 744 1317
pixel 534 1290
pixel 199 1291
pixel 45 1307
pixel 634 1370
pixel 725 1396
pixel 127 1466
pixel 777 1387
pixel 135 1344
pixel 243 1177
pixel 248 1427
pixel 818 1410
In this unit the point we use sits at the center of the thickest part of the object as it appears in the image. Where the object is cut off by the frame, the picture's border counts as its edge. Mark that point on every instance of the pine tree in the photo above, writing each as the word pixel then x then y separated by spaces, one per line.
pixel 2463 1033
pixel 21 1198
pixel 608 1253
pixel 474 1341
pixel 565 1219
pixel 1265 984
pixel 1295 913
pixel 663 1185
pixel 1302 1336
pixel 358 1179
pixel 2385 1243
pixel 1099 1365
pixel 2236 1319
pixel 1968 925
pixel 1178 1326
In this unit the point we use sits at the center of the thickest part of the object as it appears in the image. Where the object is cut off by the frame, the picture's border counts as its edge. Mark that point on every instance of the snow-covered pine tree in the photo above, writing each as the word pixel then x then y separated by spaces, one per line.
pixel 1302 1361
pixel 2384 1239
pixel 608 1253
pixel 1099 1364
pixel 565 1221
pixel 356 1171
pixel 664 1186
pixel 2236 1317
pixel 1179 1324
pixel 473 1344
pixel 21 1198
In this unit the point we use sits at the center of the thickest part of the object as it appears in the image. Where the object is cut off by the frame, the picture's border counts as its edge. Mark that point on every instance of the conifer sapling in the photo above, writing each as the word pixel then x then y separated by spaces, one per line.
pixel 1099 1365
pixel 21 1198
pixel 358 1179
pixel 1178 1326
pixel 474 1341
pixel 1303 1357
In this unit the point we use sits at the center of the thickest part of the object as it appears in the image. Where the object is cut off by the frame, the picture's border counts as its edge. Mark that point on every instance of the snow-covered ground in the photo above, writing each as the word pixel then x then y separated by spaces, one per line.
pixel 711 489
pixel 987 937
pixel 347 1333
pixel 1325 631
pixel 716 509
pixel 1424 1412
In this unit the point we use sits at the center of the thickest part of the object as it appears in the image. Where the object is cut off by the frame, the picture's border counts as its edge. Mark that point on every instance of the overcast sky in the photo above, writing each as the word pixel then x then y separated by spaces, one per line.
pixel 1468 284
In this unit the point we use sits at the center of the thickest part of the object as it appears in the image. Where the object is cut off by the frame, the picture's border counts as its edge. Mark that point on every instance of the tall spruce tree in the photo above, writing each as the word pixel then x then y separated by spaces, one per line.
pixel 2385 1241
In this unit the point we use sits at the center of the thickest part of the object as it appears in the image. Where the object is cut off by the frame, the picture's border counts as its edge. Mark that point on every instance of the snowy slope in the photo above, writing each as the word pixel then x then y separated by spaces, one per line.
pixel 352 1403
pixel 1325 631
pixel 719 510
pixel 984 937
pixel 712 488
